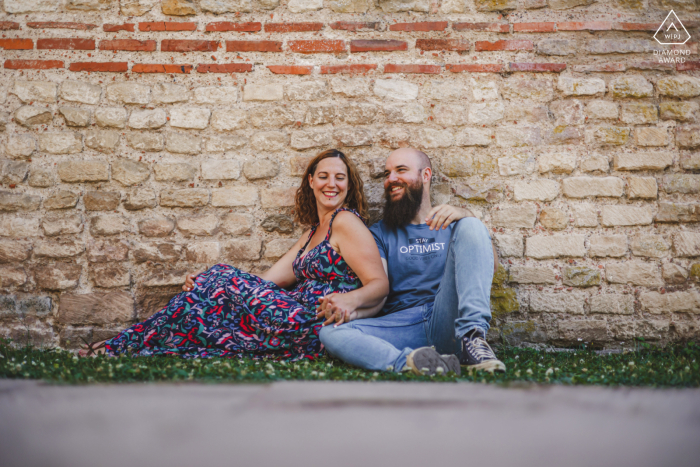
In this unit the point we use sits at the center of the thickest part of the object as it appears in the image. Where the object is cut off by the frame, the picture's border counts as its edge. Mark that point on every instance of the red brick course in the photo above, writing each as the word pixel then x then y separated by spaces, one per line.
pixel 420 26
pixel 66 44
pixel 377 45
pixel 485 27
pixel 253 46
pixel 635 26
pixel 231 26
pixel 183 45
pixel 431 69
pixel 600 67
pixel 293 27
pixel 160 68
pixel 167 26
pixel 315 47
pixel 111 67
pixel 585 26
pixel 7 25
pixel 534 27
pixel 442 44
pixel 538 67
pixel 290 69
pixel 355 26
pixel 118 27
pixel 475 68
pixel 16 44
pixel 347 69
pixel 131 45
pixel 485 46
pixel 224 67
pixel 33 64
pixel 58 25
pixel 688 66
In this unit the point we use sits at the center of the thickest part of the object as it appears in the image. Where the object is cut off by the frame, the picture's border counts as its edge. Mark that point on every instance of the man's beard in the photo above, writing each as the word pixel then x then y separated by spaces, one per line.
pixel 401 212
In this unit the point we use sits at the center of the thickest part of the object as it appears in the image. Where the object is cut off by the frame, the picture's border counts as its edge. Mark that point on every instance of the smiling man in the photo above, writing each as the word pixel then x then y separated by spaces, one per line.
pixel 440 262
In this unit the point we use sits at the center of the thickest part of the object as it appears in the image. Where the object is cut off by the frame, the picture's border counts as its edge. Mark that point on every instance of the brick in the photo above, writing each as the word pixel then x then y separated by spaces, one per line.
pixel 688 66
pixel 104 67
pixel 231 26
pixel 33 64
pixel 293 27
pixel 183 45
pixel 625 215
pixel 538 67
pixel 476 68
pixel 643 161
pixel 224 68
pixel 585 26
pixel 686 244
pixel 419 26
pixel 617 304
pixel 676 302
pixel 442 44
pixel 253 46
pixel 16 44
pixel 509 45
pixel 600 68
pixel 635 273
pixel 412 68
pixel 484 27
pixel 534 27
pixel 620 46
pixel 8 25
pixel 608 245
pixel 167 26
pixel 60 25
pixel 66 44
pixel 317 46
pixel 290 69
pixel 161 68
pixel 377 45
pixel 131 45
pixel 543 302
pixel 118 27
pixel 347 69
pixel 635 26
pixel 583 187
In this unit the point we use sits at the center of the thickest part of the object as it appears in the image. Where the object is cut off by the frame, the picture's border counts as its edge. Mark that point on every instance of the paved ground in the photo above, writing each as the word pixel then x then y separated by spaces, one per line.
pixel 345 424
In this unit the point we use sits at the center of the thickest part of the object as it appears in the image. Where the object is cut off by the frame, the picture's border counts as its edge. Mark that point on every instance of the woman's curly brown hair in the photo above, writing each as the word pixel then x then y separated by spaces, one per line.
pixel 305 210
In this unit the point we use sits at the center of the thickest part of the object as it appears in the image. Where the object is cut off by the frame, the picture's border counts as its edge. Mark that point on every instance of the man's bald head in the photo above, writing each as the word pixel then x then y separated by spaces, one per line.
pixel 419 158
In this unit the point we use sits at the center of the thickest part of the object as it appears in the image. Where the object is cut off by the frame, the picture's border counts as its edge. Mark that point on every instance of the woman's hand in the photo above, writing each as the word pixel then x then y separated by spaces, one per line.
pixel 337 308
pixel 189 281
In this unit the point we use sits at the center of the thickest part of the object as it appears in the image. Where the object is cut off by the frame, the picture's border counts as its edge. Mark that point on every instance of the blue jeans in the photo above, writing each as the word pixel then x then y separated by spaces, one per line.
pixel 462 303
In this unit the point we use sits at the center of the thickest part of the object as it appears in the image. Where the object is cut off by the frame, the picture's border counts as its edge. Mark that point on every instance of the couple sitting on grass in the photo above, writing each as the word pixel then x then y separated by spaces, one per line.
pixel 410 293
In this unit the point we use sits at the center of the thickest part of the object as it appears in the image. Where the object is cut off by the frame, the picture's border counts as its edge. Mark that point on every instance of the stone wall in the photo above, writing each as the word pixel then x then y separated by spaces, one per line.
pixel 143 139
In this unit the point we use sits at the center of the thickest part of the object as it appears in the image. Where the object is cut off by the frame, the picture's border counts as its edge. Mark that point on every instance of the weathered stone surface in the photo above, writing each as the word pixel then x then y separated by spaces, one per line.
pixel 169 93
pixel 631 86
pixel 531 275
pixel 263 92
pixel 643 161
pixel 83 171
pixel 101 200
pixel 413 113
pixel 259 169
pixel 29 116
pixel 617 304
pixel 595 163
pixel 642 187
pixel 585 215
pixel 145 141
pixel 242 249
pixel 216 95
pixel 688 136
pixel 64 142
pixel 128 93
pixel 674 274
pixel 10 202
pixel 279 223
pixel 182 143
pixel 303 6
pixel 554 218
pixel 276 116
pixel 110 275
pixel 686 244
pixel 558 47
pixel 236 223
pixel 59 276
pixel 203 252
pixel 512 137
pixel 568 112
pixel 679 86
pixel 175 172
pixel 676 302
pixel 58 249
pixel 228 120
pixel 350 87
pixel 306 91
pixel 156 227
pixel 198 225
pixel 580 86
pixel 395 6
pixel 221 170
pixel 61 199
pixel 651 136
pixel 431 138
pixel 449 115
pixel 509 245
pixel 235 196
pixel 349 6
pixel 277 197
pixel 568 4
pixel 106 224
pixel 520 164
pixel 147 119
pixel 60 225
pixel 102 140
pixel 310 139
pixel 608 245
pixel 602 110
pixel 590 330
pixel 107 251
pixel 165 252
pixel 34 91
pixel 278 247
pixel 486 113
pixel 535 89
pixel 554 246
pixel 20 146
pixel 274 141
pixel 635 273
pixel 625 215
pixel 319 114
pixel 114 117
pixel 395 89
pixel 75 116
pixel 96 308
pixel 639 113
pixel 611 135
pixel 129 172
pixel 583 187
pixel 580 276
pixel 187 198
pixel 652 246
pixel 681 111
pixel 139 198
pixel 690 161
pixel 12 276
pixel 514 217
pixel 681 184
pixel 14 251
pixel 543 302
pixel 178 7
pixel 189 117
pixel 473 137
pixel 558 163
pixel 41 177
pixel 79 91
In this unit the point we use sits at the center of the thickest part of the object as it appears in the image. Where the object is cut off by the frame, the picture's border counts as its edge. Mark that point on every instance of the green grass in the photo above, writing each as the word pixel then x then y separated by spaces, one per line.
pixel 677 366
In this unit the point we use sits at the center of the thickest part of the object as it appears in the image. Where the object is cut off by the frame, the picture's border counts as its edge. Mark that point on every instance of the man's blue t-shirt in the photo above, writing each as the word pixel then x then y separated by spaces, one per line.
pixel 415 257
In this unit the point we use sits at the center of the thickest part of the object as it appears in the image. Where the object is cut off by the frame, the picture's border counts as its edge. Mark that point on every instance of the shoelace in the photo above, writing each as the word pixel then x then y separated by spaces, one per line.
pixel 480 349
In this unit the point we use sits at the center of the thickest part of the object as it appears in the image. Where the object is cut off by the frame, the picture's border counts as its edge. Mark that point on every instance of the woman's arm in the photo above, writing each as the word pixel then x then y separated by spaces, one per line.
pixel 355 244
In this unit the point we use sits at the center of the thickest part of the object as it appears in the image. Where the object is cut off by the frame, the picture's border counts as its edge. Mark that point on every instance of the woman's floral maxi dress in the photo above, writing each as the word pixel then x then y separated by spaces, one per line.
pixel 232 313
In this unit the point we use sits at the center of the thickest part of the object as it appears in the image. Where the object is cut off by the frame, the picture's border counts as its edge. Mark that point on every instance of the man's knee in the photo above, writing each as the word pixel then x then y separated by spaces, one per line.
pixel 471 229
pixel 329 335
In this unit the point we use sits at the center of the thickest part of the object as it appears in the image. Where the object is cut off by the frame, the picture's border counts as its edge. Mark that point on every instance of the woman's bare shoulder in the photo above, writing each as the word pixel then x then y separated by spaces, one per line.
pixel 348 221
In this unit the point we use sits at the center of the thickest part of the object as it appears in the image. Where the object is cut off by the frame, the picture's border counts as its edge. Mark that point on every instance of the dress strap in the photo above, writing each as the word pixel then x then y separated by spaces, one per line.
pixel 330 224
pixel 311 234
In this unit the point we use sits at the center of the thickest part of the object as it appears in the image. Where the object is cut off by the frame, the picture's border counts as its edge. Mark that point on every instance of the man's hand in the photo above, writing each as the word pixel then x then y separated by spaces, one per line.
pixel 444 214
pixel 336 308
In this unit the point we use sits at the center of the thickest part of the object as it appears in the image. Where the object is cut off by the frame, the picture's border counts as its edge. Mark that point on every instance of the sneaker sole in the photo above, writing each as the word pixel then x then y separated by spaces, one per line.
pixel 426 363
pixel 492 366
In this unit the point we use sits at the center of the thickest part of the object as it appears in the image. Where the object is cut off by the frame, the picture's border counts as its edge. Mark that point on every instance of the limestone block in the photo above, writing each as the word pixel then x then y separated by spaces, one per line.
pixel 186 198
pixel 169 93
pixel 440 90
pixel 306 91
pixel 350 87
pixel 432 138
pixel 267 117
pixel 275 141
pixel 349 6
pixel 643 161
pixel 182 143
pixel 558 163
pixel 541 247
pixel 514 217
pixel 585 215
pixel 149 142
pixel 41 177
pixel 20 146
pixel 140 198
pixel 617 304
pixel 681 111
pixel 203 252
pixel 568 4
pixel 114 117
pixel 55 225
pixel 558 47
pixel 536 190
pixel 236 224
pixel 642 187
pixel 129 172
pixel 219 7
pixel 651 136
pixel 198 225
pixel 101 200
pixel 631 86
pixel 59 276
pixel 164 251
pixel 34 91
pixel 178 7
pixel 638 114
pixel 136 7
pixel 217 95
pixel 107 251
pixel 473 137
pixel 31 6
pixel 553 218
pixel 102 140
pixel 408 113
pixel 531 275
pixel 612 135
pixel 509 245
pixel 635 273
pixel 263 92
pixel 580 276
pixel 357 113
pixel 13 172
pixel 14 251
pixel 30 115
pixel 543 302
pixel 242 249
pixel 75 116
pixel 595 163
pixel 486 113
pixel 568 112
pixel 396 89
pixel 235 196
pixel 452 165
pixel 319 114
pixel 260 169
pixel 518 136
pixel 128 93
pixel 688 136
pixel 110 275
pixel 190 117
pixel 453 6
pixel 61 199
pixel 580 86
pixel 652 246
pixel 363 137
pixel 602 110
pixel 58 249
pixel 679 86
pixel 582 187
pixel 278 247
pixel 147 119
pixel 690 161
pixel 626 215
pixel 278 223
pixel 309 139
pixel 394 137
pixel 228 120
pixel 79 91
pixel 64 142
pixel 674 274
pixel 681 184
pixel 106 224
pixel 278 197
pixel 83 171
pixel 156 227
pixel 686 244
pixel 484 90
pixel 675 302
pixel 396 6
pixel 12 276
pixel 535 89
pixel 18 202
pixel 221 169
pixel 96 308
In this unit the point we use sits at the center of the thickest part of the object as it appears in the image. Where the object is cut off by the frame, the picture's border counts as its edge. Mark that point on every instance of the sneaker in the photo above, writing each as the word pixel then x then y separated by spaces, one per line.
pixel 478 355
pixel 426 361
